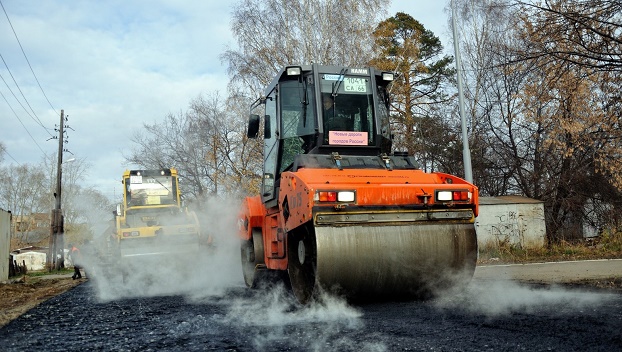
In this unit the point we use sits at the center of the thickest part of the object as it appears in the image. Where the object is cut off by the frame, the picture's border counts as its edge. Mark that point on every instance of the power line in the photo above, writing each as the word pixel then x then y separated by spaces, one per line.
pixel 26 57
pixel 20 121
pixel 22 93
pixel 20 103
pixel 11 156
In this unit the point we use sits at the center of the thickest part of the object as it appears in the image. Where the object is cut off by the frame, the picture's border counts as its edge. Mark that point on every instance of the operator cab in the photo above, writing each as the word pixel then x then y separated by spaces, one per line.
pixel 149 188
pixel 321 110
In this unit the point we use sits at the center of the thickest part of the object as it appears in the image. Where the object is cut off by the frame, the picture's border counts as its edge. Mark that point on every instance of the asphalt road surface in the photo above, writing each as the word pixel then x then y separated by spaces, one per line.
pixel 494 313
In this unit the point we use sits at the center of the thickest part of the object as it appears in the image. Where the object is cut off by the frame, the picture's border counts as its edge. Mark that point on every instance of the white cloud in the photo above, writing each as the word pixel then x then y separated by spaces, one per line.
pixel 112 66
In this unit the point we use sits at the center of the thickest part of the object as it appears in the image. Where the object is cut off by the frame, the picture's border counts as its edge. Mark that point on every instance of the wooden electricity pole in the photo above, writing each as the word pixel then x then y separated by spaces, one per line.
pixel 56 226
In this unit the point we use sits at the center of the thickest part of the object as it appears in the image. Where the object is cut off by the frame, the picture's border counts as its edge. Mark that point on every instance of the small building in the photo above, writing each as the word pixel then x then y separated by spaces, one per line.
pixel 27 223
pixel 5 243
pixel 514 220
pixel 34 257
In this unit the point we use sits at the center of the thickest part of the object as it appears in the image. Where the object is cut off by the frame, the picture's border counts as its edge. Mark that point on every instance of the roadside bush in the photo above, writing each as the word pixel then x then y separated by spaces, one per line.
pixel 611 241
pixel 606 246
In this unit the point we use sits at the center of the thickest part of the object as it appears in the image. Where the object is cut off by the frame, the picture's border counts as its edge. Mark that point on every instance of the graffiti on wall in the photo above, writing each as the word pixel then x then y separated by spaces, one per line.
pixel 507 225
pixel 505 229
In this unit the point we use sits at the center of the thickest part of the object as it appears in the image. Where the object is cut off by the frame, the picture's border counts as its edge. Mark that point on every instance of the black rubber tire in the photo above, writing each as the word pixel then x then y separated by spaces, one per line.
pixel 302 263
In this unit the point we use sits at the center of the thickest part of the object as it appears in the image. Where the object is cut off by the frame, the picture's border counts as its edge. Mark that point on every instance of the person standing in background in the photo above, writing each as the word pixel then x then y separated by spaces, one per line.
pixel 76 259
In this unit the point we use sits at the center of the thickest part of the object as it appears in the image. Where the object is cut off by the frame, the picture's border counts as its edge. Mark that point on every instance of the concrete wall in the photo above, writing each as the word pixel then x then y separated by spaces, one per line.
pixel 511 219
pixel 5 241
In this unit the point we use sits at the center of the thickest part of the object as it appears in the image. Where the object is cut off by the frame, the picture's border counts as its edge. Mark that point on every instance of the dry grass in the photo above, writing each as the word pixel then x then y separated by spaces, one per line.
pixel 607 246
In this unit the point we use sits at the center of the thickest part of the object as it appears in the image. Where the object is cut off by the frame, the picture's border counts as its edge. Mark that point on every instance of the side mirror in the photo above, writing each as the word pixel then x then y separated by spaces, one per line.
pixel 253 126
pixel 267 130
pixel 118 212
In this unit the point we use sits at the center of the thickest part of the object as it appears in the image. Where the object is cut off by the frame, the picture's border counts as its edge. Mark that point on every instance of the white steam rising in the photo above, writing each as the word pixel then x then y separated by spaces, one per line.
pixel 493 298
pixel 277 306
pixel 209 271
pixel 273 316
pixel 268 315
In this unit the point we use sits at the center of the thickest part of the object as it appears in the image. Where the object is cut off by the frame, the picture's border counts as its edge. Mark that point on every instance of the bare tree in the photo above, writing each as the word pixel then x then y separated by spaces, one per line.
pixel 74 187
pixel 587 33
pixel 482 27
pixel 207 145
pixel 2 151
pixel 249 153
pixel 577 47
pixel 275 33
pixel 21 191
pixel 29 191
pixel 548 125
pixel 168 144
pixel 271 34
pixel 223 134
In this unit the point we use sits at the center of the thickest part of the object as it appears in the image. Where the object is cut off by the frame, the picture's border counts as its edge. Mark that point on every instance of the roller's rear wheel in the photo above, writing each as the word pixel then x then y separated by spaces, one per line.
pixel 254 270
pixel 252 255
pixel 302 265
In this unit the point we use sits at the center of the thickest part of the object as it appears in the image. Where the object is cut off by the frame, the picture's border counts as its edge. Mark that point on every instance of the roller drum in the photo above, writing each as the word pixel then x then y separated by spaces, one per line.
pixel 392 261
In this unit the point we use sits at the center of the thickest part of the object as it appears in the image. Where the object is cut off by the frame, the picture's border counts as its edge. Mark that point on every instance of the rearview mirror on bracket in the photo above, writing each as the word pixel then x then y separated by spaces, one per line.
pixel 253 126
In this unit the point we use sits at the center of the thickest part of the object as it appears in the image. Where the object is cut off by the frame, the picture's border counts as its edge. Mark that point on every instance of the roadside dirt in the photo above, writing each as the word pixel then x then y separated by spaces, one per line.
pixel 24 294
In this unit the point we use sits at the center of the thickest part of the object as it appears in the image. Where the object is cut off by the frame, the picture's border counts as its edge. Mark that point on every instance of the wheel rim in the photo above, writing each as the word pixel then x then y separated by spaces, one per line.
pixel 301 252
pixel 301 266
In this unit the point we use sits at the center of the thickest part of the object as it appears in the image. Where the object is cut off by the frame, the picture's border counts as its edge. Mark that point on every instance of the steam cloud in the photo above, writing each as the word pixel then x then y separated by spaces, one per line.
pixel 272 316
pixel 209 272
pixel 502 297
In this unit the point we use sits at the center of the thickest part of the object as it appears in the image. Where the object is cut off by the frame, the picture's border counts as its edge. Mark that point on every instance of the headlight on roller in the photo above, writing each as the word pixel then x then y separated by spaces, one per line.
pixel 456 196
pixel 345 196
pixel 443 195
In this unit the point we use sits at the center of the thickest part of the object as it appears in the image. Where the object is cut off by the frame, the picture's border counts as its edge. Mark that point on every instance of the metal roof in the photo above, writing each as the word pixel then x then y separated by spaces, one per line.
pixel 508 200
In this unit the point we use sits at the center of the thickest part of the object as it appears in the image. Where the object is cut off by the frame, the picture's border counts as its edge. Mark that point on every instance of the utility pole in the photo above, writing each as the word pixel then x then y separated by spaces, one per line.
pixel 466 152
pixel 56 226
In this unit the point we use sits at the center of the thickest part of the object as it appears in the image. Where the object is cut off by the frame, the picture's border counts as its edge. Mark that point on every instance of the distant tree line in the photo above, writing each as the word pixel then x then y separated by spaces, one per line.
pixel 27 190
pixel 542 87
